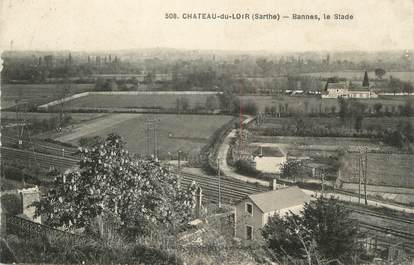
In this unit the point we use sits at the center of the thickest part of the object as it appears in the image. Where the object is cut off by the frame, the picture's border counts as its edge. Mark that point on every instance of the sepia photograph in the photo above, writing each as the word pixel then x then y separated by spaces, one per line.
pixel 234 132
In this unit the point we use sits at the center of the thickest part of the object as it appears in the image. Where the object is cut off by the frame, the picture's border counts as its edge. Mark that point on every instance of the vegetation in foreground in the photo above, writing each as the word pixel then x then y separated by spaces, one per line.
pixel 133 196
pixel 323 234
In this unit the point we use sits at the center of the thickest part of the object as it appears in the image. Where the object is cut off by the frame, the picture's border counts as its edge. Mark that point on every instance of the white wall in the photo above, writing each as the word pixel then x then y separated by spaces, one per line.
pixel 269 164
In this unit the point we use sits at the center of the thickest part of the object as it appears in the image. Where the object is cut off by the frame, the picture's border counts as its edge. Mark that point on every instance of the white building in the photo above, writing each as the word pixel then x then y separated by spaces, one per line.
pixel 343 90
pixel 253 212
pixel 268 159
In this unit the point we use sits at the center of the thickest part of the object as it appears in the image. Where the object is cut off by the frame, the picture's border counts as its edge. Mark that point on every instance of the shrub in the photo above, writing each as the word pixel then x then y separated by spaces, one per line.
pixel 14 173
pixel 246 168
pixel 62 250
pixel 11 203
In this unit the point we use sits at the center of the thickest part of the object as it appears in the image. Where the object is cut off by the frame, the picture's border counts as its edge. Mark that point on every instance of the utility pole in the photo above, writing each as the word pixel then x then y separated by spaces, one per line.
pixel 365 175
pixel 219 182
pixel 359 178
pixel 179 166
pixel 179 162
pixel 151 133
pixel 323 182
pixel 155 141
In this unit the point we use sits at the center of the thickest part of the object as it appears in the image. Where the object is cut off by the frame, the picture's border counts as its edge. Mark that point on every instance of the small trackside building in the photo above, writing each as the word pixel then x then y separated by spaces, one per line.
pixel 253 212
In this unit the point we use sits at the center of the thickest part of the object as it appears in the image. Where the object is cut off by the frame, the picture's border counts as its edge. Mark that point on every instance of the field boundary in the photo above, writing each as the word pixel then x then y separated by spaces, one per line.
pixel 132 93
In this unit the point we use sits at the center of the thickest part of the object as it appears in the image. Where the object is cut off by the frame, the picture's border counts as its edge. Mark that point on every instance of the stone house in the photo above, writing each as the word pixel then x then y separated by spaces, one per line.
pixel 253 212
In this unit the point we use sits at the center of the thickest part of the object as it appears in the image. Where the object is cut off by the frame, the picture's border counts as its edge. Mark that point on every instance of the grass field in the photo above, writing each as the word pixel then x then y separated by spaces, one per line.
pixel 383 169
pixel 388 169
pixel 314 104
pixel 167 101
pixel 187 133
pixel 37 94
pixel 369 122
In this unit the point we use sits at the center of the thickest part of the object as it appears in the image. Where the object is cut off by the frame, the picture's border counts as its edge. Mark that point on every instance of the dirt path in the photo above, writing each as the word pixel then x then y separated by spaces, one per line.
pixel 95 125
pixel 228 170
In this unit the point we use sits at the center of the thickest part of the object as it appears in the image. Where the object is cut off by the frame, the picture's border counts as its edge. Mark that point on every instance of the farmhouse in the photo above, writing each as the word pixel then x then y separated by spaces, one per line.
pixel 268 159
pixel 348 90
pixel 253 212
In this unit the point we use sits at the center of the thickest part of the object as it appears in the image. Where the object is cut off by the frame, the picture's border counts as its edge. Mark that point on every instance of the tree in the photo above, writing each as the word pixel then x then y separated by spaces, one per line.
pixel 292 169
pixel 379 72
pixel 377 109
pixel 250 107
pixel 324 225
pixel 245 167
pixel 280 235
pixel 136 195
pixel 332 228
pixel 407 87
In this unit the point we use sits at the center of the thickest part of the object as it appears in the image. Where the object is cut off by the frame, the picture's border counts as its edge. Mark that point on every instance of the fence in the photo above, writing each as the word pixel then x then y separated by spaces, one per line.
pixel 30 230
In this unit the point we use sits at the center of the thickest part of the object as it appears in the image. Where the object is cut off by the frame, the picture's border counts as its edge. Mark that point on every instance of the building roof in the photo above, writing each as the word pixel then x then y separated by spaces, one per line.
pixel 274 200
pixel 267 151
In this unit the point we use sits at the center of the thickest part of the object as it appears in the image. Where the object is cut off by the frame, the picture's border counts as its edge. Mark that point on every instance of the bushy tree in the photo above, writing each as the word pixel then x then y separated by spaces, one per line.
pixel 136 195
pixel 293 169
pixel 379 72
pixel 331 227
pixel 323 231
pixel 245 167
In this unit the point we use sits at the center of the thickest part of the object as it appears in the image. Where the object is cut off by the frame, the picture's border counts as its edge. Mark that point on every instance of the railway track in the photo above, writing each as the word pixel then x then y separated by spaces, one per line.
pixel 39 160
pixel 389 236
pixel 230 190
pixel 383 216
pixel 40 146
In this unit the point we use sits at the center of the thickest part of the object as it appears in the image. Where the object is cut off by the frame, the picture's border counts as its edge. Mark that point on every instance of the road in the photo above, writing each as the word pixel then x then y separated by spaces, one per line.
pixel 227 169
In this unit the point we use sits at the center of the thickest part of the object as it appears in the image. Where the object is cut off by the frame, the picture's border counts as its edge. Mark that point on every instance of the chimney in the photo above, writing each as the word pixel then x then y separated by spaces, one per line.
pixel 273 184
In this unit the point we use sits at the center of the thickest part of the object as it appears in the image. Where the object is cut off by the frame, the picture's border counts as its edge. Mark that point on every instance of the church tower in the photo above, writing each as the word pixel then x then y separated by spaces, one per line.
pixel 365 83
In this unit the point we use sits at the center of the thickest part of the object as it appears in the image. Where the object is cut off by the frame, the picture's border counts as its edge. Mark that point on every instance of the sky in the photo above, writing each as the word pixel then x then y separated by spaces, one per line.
pixel 88 25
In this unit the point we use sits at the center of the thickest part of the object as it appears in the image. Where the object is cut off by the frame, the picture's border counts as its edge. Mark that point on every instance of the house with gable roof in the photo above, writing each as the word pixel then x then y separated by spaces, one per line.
pixel 253 212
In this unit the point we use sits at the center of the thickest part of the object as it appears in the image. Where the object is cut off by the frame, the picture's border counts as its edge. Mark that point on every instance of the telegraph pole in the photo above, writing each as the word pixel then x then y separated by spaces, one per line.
pixel 219 182
pixel 359 178
pixel 151 133
pixel 155 142
pixel 365 174
pixel 179 166
pixel 179 162
pixel 323 182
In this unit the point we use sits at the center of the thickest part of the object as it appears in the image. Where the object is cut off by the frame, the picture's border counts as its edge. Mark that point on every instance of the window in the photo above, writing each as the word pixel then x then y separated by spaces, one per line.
pixel 249 208
pixel 249 232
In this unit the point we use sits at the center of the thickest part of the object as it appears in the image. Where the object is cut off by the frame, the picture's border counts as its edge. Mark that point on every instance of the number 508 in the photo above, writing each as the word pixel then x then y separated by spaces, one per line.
pixel 171 16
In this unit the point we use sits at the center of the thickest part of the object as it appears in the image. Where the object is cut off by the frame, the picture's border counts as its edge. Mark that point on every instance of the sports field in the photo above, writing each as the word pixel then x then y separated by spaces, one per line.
pixel 187 133
pixel 141 101
pixel 36 94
